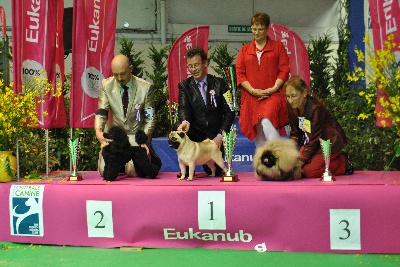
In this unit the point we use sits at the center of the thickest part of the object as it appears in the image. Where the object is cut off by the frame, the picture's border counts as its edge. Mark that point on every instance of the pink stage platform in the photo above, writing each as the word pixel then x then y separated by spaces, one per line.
pixel 354 214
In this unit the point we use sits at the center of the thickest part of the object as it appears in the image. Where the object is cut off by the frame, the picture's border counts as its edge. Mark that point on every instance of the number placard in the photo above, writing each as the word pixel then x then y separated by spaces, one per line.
pixel 345 229
pixel 99 218
pixel 211 210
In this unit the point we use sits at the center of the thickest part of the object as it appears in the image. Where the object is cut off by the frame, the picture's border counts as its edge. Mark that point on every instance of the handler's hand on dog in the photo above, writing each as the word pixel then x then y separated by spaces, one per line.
pixel 218 141
pixel 184 127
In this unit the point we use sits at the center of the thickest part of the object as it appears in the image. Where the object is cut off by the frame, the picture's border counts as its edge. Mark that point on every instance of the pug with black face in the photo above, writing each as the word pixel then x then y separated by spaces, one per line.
pixel 277 160
pixel 195 153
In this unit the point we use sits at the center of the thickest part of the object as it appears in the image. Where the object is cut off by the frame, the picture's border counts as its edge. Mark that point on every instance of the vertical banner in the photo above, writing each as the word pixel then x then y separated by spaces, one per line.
pixel 93 42
pixel 385 19
pixel 176 63
pixel 3 23
pixel 357 25
pixel 26 210
pixel 295 48
pixel 34 33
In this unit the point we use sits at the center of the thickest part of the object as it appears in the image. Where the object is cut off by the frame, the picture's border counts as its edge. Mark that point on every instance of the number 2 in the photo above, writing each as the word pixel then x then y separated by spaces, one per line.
pixel 101 219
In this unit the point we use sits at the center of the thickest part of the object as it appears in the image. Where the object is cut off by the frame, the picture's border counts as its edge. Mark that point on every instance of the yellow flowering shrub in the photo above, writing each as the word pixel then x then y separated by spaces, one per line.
pixel 18 111
pixel 382 75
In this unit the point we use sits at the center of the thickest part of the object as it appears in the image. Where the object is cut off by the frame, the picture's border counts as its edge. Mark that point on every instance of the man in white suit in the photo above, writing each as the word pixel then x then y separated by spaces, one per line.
pixel 138 114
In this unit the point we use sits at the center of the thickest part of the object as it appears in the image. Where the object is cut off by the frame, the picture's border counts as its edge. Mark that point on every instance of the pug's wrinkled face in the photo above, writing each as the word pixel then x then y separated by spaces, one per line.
pixel 175 138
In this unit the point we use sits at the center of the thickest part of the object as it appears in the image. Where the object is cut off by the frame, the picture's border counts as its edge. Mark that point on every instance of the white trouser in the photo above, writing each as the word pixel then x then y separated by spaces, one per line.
pixel 265 131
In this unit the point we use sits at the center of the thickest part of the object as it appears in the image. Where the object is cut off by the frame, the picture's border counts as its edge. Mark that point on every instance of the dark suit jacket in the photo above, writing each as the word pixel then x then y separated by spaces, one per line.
pixel 206 121
pixel 323 126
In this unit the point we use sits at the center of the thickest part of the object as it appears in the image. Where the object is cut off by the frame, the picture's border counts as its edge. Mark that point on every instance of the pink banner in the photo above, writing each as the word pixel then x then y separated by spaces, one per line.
pixel 3 22
pixel 385 21
pixel 93 42
pixel 34 31
pixel 176 64
pixel 295 48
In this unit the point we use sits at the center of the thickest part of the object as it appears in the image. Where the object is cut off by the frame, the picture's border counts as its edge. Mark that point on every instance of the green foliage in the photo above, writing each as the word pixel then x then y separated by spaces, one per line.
pixel 319 50
pixel 370 147
pixel 135 59
pixel 159 78
pixel 222 58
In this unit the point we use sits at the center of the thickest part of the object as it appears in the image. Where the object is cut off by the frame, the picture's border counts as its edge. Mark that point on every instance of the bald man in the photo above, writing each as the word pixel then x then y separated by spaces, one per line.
pixel 138 114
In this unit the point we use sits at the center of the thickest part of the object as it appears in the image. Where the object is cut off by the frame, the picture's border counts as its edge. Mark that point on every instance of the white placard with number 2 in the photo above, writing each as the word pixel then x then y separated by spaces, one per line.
pixel 345 229
pixel 99 218
pixel 211 210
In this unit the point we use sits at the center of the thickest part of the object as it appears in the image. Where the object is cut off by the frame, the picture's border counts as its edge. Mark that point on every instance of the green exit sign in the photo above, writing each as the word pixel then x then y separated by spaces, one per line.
pixel 239 28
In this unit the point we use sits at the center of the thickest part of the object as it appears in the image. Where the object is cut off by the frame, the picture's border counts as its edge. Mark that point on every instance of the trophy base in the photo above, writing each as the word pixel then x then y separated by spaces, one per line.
pixel 327 178
pixel 74 178
pixel 230 178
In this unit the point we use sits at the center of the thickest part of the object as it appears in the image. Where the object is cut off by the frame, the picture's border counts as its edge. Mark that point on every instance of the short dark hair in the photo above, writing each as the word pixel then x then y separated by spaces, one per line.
pixel 260 18
pixel 196 51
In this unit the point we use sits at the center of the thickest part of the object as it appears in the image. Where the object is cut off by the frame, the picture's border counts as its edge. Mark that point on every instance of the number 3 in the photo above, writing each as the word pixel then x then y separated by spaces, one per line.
pixel 345 229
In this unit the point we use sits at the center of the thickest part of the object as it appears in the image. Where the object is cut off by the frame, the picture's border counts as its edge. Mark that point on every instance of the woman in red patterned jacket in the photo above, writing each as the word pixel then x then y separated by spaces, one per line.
pixel 262 67
pixel 310 121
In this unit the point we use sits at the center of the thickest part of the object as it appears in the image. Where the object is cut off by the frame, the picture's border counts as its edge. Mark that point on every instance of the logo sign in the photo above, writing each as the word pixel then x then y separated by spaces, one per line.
pixel 239 28
pixel 26 210
pixel 90 81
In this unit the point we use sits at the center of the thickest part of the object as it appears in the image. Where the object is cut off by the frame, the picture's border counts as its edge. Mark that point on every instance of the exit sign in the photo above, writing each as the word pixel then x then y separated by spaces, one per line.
pixel 239 28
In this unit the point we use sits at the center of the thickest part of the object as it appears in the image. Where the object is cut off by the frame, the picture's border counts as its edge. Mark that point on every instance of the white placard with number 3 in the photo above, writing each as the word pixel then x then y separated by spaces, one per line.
pixel 211 210
pixel 345 229
pixel 99 218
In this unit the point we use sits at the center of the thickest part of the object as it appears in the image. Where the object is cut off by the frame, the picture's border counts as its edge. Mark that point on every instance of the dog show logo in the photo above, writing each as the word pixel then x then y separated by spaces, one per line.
pixel 30 69
pixel 172 234
pixel 26 210
pixel 90 81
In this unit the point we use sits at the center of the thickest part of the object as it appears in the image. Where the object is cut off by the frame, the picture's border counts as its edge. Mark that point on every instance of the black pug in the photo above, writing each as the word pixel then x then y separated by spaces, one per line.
pixel 119 152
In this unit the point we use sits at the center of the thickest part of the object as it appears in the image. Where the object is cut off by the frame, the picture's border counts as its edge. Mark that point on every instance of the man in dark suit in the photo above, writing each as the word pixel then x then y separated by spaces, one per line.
pixel 205 103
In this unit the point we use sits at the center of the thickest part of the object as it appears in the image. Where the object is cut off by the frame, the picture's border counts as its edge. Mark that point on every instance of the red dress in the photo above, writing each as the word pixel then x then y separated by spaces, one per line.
pixel 274 64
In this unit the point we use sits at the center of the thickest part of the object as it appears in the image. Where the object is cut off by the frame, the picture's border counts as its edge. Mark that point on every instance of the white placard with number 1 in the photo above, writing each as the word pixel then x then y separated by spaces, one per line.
pixel 345 229
pixel 211 210
pixel 99 218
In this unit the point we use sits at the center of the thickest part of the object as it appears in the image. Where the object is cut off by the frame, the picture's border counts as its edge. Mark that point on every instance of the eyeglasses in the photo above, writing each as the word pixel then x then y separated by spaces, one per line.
pixel 194 66
pixel 288 97
pixel 258 29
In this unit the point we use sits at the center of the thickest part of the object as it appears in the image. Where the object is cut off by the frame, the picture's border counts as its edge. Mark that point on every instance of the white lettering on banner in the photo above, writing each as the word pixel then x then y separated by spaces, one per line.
pixel 32 33
pixel 171 234
pixel 94 28
pixel 284 40
pixel 390 21
pixel 242 158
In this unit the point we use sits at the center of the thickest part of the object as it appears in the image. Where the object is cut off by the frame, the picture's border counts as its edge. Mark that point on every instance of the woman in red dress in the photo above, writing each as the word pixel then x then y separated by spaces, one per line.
pixel 262 67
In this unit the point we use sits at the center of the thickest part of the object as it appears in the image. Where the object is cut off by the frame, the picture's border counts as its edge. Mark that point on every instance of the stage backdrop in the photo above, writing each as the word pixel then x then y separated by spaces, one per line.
pixel 295 48
pixel 176 63
pixel 93 42
pixel 36 28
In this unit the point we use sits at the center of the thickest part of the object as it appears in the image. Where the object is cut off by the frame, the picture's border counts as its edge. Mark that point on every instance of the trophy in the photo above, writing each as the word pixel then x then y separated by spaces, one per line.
pixel 74 148
pixel 172 114
pixel 326 152
pixel 229 139
pixel 230 73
